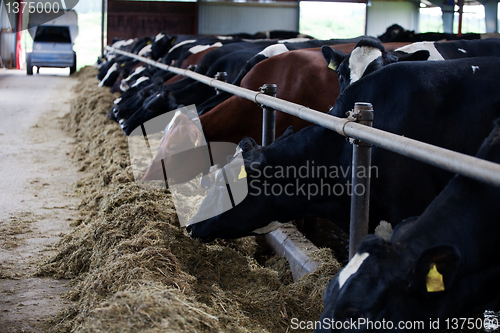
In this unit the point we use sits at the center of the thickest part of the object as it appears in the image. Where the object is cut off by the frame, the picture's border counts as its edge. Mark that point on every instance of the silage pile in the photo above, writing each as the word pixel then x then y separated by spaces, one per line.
pixel 134 270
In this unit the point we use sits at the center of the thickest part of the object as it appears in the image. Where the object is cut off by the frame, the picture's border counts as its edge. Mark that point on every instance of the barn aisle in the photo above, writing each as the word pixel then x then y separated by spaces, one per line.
pixel 37 203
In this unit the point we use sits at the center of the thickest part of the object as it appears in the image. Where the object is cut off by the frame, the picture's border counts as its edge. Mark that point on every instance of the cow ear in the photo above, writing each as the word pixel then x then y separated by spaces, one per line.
pixel 289 131
pixel 436 269
pixel 421 55
pixel 333 57
pixel 247 144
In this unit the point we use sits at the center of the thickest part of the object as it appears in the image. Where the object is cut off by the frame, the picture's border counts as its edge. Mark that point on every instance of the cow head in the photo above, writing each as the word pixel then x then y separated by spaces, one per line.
pixel 243 219
pixel 368 56
pixel 386 282
pixel 230 224
pixel 161 44
pixel 179 150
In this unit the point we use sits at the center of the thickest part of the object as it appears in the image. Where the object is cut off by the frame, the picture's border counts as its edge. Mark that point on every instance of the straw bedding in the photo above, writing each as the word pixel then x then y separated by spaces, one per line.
pixel 134 270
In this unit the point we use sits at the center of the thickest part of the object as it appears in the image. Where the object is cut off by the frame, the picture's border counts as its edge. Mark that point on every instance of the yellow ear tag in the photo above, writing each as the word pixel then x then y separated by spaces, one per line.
pixel 243 173
pixel 196 142
pixel 434 280
pixel 332 66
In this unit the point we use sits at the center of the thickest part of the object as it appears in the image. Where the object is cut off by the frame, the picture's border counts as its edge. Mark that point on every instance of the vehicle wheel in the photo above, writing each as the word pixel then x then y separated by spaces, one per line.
pixel 72 69
pixel 29 66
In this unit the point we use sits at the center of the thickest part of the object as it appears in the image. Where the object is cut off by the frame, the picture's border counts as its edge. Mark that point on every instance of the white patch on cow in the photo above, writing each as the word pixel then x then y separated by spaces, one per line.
pixel 121 43
pixel 110 71
pixel 118 100
pixel 268 228
pixel 201 48
pixel 138 70
pixel 474 69
pixel 352 267
pixel 225 37
pixel 171 123
pixel 273 50
pixel 384 230
pixel 145 50
pixel 181 44
pixel 462 50
pixel 359 60
pixel 159 36
pixel 124 84
pixel 294 40
pixel 434 54
pixel 140 80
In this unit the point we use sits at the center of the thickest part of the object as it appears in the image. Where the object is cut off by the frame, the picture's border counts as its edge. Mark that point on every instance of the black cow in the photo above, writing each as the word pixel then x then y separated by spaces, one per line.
pixel 434 102
pixel 161 44
pixel 396 33
pixel 443 265
pixel 370 55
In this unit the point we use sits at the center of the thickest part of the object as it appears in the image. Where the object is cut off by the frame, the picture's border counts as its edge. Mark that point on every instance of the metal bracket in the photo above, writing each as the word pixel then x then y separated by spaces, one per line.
pixel 220 76
pixel 270 90
pixel 362 114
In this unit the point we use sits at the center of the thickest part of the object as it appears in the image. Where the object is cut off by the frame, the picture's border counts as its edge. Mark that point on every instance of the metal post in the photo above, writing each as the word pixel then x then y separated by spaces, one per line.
pixel 104 13
pixel 220 76
pixel 269 116
pixel 360 191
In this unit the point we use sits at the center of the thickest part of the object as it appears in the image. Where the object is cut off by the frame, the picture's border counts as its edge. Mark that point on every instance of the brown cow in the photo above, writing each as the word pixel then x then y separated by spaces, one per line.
pixel 301 77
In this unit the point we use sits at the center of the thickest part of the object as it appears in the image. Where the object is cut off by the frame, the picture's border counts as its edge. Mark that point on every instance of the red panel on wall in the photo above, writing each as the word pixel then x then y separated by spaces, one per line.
pixel 130 19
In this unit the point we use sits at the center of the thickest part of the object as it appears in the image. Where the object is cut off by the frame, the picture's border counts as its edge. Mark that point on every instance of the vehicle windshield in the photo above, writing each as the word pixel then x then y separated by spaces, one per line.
pixel 53 34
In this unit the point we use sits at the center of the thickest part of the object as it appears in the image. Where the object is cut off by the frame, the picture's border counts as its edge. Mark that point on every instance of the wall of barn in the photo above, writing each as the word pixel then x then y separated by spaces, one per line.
pixel 382 14
pixel 235 17
pixel 131 19
pixel 7 37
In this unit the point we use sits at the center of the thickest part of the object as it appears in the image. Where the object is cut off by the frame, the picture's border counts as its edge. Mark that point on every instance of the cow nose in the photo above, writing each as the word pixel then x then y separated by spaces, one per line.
pixel 189 229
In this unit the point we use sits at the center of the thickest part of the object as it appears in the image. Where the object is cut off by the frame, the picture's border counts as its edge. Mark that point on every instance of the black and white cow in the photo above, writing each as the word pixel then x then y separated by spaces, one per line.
pixel 370 55
pixel 440 266
pixel 434 102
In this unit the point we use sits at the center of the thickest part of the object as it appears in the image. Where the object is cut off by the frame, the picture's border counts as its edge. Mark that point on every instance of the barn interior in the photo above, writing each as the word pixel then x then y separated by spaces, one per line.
pixel 114 258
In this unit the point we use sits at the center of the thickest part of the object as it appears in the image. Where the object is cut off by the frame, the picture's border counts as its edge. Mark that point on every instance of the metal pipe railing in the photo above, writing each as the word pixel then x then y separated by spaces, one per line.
pixel 472 167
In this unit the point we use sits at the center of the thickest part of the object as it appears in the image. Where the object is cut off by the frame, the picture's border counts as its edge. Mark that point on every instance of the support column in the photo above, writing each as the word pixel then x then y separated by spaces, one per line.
pixel 448 18
pixel 491 15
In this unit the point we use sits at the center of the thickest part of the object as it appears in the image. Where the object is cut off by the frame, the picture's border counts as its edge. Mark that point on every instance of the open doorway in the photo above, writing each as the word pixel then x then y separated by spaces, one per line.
pixel 326 20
